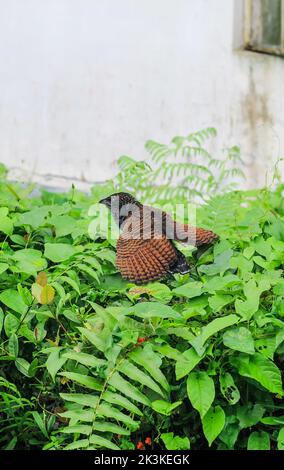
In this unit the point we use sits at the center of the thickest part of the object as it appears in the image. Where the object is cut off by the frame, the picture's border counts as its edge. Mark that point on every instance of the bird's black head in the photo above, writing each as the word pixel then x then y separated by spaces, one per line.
pixel 120 204
pixel 120 198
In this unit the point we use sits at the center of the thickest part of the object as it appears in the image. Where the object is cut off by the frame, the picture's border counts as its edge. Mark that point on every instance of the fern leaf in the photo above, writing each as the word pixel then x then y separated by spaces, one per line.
pixel 99 441
pixel 125 387
pixel 131 371
pixel 86 380
pixel 80 398
pixel 85 359
pixel 105 410
pixel 118 399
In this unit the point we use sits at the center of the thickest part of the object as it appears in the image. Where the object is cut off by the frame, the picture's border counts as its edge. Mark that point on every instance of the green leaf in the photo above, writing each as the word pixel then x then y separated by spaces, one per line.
pixel 110 427
pixel 218 301
pixel 273 420
pixel 79 444
pixel 164 407
pixel 211 329
pixel 218 283
pixel 249 415
pixel 220 265
pixel 12 299
pixel 90 271
pixel 201 391
pixel 12 444
pixel 99 441
pixel 229 435
pixel 1 319
pixel 278 289
pixel 168 351
pixel 261 369
pixel 11 324
pixel 25 294
pixel 58 252
pixel 97 426
pixel 40 423
pixel 152 309
pixel 258 440
pixel 55 362
pixel 175 442
pixel 213 423
pixel 228 388
pixel 131 371
pixel 72 316
pixel 280 439
pixel 63 224
pixel 155 289
pixel 117 399
pixel 239 339
pixel 263 247
pixel 123 386
pixel 267 346
pixel 85 359
pixel 186 362
pixel 86 380
pixel 189 290
pixel 3 267
pixel 23 366
pixel 60 291
pixel 18 240
pixel 77 428
pixel 71 282
pixel 94 338
pixel 252 292
pixel 151 362
pixel 109 411
pixel 29 261
pixel 13 345
pixel 35 217
pixel 6 224
pixel 81 398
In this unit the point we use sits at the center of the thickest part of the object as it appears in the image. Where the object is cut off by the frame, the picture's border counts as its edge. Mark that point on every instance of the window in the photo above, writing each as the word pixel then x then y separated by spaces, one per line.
pixel 264 26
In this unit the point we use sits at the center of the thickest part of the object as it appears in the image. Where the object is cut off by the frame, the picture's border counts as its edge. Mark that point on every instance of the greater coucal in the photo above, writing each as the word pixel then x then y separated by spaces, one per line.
pixel 145 249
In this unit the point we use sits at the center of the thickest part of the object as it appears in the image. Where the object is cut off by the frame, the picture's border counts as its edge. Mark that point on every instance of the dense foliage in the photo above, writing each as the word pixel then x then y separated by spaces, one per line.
pixel 90 361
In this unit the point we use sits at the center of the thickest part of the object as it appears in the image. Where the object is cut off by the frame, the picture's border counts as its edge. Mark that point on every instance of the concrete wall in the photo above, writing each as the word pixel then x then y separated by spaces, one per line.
pixel 84 81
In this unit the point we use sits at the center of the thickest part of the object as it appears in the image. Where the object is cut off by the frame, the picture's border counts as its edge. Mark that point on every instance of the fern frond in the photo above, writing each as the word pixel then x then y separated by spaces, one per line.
pixel 200 136
pixel 196 176
pixel 109 386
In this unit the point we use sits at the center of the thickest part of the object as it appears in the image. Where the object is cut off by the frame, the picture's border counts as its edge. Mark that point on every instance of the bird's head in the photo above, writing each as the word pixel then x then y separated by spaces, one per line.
pixel 120 204
pixel 119 198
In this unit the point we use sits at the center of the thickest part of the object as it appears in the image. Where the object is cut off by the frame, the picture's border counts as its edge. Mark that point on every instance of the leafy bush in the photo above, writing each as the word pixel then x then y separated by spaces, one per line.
pixel 90 361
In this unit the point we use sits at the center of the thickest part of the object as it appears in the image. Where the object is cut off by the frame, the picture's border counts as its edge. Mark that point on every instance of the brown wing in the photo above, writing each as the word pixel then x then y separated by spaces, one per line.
pixel 186 233
pixel 141 255
pixel 193 235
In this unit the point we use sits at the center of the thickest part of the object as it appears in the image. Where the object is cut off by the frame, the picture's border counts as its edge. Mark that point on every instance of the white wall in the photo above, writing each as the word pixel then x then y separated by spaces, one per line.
pixel 84 81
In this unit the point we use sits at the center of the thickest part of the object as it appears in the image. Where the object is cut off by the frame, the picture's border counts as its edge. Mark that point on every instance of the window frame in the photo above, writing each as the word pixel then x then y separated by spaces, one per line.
pixel 248 32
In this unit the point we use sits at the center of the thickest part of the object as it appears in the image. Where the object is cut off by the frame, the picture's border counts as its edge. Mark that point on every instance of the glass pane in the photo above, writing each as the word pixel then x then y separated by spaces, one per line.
pixel 271 22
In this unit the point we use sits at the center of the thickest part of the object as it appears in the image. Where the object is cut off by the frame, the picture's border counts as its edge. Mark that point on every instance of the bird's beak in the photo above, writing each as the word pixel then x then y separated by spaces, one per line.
pixel 105 201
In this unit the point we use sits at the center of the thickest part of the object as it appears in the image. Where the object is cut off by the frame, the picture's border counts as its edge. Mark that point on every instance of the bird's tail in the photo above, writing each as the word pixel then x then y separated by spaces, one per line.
pixel 205 237
pixel 194 236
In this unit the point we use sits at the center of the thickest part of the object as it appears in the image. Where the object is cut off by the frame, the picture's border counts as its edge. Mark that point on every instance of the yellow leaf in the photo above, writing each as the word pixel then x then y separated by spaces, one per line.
pixel 64 380
pixel 36 291
pixel 47 295
pixel 139 290
pixel 41 279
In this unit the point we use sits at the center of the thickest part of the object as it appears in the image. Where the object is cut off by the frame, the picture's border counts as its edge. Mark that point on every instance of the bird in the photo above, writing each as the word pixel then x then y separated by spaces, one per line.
pixel 145 251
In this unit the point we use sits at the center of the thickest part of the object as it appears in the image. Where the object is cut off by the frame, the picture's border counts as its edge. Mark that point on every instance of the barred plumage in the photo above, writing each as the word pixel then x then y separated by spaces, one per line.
pixel 145 251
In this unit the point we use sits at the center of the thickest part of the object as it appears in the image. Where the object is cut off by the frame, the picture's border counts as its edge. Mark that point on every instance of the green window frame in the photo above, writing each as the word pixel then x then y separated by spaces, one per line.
pixel 264 26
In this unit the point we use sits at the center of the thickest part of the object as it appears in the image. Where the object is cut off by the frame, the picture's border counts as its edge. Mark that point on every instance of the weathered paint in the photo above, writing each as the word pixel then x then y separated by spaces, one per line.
pixel 83 82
